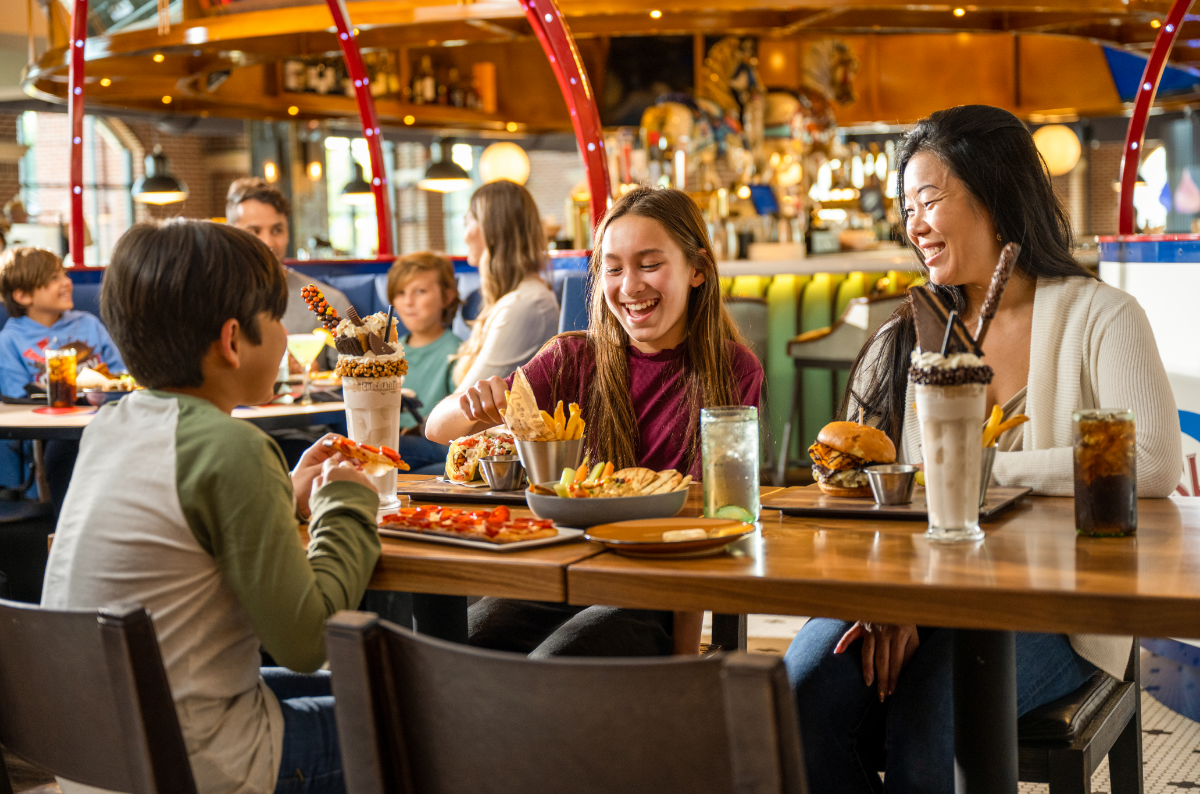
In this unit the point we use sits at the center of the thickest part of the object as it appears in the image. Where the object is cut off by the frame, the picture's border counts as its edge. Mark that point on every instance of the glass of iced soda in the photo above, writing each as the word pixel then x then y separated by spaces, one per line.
pixel 1105 472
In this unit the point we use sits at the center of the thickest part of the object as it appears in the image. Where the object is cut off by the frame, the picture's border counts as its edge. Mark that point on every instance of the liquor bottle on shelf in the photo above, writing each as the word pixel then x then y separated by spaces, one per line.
pixel 424 87
pixel 455 91
pixel 393 73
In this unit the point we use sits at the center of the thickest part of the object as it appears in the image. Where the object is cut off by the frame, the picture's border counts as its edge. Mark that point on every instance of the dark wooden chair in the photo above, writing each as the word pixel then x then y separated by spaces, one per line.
pixel 416 714
pixel 85 696
pixel 1063 742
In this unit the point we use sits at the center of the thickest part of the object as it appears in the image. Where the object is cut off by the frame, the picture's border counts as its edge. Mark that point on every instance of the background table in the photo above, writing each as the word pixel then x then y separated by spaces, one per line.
pixel 20 421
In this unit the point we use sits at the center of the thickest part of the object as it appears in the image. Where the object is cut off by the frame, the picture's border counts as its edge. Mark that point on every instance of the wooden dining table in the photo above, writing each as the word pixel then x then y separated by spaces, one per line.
pixel 1032 572
pixel 26 422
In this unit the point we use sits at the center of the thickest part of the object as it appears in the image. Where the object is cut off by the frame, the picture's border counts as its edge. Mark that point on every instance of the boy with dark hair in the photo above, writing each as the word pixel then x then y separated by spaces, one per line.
pixel 192 513
pixel 36 292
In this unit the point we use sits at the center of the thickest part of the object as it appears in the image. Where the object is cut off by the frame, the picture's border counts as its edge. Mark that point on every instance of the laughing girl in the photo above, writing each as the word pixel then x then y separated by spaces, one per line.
pixel 659 347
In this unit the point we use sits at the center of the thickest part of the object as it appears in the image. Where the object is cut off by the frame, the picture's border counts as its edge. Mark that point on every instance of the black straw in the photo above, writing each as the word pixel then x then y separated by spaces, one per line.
pixel 387 328
pixel 949 330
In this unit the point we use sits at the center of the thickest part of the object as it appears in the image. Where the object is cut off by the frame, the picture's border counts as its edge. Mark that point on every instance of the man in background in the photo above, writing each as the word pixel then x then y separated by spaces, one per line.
pixel 253 205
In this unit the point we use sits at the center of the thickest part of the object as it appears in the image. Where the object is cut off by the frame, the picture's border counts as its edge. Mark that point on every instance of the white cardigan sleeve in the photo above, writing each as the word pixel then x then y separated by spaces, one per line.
pixel 518 326
pixel 1121 369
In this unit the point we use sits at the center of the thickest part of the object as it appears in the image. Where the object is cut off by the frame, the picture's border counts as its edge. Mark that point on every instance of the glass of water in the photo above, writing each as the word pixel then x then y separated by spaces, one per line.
pixel 730 461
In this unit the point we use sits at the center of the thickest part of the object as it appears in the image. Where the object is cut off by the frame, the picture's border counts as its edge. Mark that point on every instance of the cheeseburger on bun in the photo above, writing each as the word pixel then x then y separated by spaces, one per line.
pixel 841 453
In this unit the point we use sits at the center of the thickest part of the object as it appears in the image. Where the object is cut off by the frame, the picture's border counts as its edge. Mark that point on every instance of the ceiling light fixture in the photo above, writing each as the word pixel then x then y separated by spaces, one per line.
pixel 445 175
pixel 158 186
pixel 358 190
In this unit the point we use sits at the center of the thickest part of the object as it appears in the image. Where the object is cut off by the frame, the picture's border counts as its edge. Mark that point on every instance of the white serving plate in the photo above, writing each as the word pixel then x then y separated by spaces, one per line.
pixel 564 534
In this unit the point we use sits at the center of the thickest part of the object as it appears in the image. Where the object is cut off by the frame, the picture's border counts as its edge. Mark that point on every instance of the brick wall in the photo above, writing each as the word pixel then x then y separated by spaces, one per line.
pixel 1105 169
pixel 551 177
pixel 9 179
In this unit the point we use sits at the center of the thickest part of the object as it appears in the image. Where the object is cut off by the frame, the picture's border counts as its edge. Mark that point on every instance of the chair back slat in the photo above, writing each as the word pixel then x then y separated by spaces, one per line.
pixel 85 696
pixel 456 716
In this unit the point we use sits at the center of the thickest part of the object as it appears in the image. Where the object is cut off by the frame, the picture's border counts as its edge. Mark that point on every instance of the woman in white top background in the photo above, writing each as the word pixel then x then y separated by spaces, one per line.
pixel 519 314
pixel 971 180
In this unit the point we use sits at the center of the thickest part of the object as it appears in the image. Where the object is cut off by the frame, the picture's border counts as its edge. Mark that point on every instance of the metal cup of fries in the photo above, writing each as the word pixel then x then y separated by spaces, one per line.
pixel 545 460
pixel 991 438
pixel 547 442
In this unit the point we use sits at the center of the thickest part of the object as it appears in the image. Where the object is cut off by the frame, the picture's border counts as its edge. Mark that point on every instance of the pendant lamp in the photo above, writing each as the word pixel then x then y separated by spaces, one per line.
pixel 358 191
pixel 158 186
pixel 445 175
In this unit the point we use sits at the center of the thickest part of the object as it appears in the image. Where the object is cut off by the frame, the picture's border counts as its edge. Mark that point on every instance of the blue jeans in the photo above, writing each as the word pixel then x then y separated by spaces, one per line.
pixel 422 455
pixel 312 760
pixel 849 736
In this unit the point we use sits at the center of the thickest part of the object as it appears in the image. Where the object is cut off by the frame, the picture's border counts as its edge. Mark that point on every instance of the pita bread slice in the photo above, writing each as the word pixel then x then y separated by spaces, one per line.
pixel 653 485
pixel 670 485
pixel 637 476
pixel 522 415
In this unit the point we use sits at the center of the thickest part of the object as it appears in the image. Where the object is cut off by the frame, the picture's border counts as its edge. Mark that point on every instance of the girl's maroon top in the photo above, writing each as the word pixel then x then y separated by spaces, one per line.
pixel 656 390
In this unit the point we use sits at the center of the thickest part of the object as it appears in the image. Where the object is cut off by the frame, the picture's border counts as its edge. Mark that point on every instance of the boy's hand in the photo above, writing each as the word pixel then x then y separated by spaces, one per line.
pixel 337 468
pixel 483 401
pixel 310 467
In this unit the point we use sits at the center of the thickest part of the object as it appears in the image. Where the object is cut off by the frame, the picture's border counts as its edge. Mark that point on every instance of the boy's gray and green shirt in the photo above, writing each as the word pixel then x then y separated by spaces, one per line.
pixel 178 506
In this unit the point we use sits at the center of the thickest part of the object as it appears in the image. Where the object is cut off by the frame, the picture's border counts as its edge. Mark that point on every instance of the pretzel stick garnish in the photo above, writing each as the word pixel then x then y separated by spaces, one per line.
pixel 1004 269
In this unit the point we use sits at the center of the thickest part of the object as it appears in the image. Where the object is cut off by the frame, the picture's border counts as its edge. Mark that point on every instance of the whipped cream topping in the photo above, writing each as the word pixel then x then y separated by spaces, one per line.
pixel 933 369
pixel 934 360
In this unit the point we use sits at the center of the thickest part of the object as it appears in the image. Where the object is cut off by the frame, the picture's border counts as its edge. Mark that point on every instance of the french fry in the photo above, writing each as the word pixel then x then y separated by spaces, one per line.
pixel 579 428
pixel 548 421
pixel 1019 419
pixel 989 431
pixel 572 423
pixel 560 421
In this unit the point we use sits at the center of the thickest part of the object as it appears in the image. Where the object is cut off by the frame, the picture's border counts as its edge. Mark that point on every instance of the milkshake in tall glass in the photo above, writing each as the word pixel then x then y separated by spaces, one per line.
pixel 951 402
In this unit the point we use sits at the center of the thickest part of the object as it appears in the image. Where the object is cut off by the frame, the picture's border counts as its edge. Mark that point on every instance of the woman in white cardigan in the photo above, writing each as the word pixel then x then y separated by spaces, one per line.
pixel 971 179
pixel 505 241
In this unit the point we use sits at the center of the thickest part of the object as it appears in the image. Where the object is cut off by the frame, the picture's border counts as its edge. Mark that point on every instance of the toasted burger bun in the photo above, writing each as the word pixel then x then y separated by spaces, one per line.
pixel 849 493
pixel 860 441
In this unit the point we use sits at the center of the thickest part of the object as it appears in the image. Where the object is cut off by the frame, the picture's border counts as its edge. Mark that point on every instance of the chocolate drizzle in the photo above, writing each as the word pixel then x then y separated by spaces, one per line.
pixel 991 302
pixel 959 376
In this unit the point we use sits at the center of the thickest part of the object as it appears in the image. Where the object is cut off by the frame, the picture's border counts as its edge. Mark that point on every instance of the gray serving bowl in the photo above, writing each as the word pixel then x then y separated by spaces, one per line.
pixel 584 513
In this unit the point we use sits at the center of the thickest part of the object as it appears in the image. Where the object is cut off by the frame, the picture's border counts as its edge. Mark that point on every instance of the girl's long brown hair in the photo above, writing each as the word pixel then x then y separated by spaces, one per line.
pixel 515 248
pixel 709 378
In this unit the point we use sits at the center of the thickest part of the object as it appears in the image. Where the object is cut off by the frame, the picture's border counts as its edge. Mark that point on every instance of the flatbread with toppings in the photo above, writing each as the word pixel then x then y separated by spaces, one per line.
pixel 490 526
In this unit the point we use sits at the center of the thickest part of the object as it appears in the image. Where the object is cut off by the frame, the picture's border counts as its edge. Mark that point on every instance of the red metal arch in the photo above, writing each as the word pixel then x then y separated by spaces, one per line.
pixel 1136 134
pixel 552 32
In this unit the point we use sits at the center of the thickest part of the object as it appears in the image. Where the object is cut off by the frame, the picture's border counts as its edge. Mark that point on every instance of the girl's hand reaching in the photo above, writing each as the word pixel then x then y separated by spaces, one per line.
pixel 482 402
pixel 885 651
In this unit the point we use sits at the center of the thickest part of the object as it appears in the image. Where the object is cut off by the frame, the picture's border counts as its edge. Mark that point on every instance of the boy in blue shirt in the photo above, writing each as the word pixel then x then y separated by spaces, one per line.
pixel 422 288
pixel 36 292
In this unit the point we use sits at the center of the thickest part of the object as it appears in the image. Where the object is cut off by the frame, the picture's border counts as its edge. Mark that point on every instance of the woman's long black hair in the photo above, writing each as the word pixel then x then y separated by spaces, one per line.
pixel 992 152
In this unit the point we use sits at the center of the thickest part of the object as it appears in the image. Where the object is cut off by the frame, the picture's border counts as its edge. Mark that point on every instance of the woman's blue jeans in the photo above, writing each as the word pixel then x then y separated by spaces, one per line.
pixel 312 759
pixel 849 736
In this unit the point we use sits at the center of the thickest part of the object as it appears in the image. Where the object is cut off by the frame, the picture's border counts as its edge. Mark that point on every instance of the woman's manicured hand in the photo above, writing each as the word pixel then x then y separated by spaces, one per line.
pixel 311 468
pixel 483 401
pixel 885 651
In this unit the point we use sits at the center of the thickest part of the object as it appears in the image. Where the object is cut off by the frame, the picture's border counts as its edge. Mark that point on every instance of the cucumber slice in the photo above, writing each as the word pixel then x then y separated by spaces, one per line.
pixel 734 513
pixel 561 490
pixel 568 477
pixel 595 473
